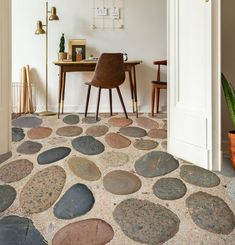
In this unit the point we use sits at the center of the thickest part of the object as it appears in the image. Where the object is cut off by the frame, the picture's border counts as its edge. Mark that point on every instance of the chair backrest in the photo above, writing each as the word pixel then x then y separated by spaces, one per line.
pixel 159 63
pixel 109 71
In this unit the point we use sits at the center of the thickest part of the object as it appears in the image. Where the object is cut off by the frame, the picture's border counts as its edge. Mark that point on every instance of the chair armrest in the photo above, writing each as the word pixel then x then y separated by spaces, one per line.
pixel 160 62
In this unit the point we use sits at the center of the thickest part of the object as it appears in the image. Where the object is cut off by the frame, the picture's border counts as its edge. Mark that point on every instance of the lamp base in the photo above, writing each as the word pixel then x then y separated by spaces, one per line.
pixel 47 113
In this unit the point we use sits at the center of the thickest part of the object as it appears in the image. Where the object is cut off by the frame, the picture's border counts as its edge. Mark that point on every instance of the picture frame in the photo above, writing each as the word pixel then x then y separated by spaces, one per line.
pixel 73 45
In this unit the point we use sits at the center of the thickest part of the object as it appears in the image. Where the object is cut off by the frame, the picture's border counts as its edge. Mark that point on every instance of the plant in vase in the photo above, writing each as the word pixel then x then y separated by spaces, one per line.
pixel 62 55
pixel 229 94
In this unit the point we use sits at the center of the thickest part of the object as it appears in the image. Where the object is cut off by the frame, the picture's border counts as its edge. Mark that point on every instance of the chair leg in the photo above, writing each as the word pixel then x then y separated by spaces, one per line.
pixel 157 100
pixel 121 99
pixel 98 104
pixel 153 100
pixel 110 102
pixel 87 99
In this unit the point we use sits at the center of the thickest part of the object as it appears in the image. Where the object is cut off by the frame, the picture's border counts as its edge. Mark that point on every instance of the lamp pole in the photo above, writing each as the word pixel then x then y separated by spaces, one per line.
pixel 39 31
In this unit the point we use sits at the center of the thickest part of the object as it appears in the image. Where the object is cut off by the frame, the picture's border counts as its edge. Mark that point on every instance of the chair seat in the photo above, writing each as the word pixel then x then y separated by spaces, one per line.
pixel 159 82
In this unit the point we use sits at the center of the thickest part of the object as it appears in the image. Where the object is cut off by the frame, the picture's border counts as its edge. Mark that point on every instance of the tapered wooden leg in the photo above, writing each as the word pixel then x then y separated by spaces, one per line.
pixel 63 92
pixel 121 99
pixel 135 92
pixel 132 91
pixel 153 100
pixel 157 100
pixel 110 102
pixel 87 99
pixel 98 104
pixel 60 90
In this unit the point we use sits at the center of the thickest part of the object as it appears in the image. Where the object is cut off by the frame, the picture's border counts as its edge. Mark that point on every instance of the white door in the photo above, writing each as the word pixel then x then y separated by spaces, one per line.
pixel 5 74
pixel 193 99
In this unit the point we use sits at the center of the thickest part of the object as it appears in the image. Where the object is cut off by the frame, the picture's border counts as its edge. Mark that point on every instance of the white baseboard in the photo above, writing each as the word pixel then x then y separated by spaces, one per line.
pixel 91 109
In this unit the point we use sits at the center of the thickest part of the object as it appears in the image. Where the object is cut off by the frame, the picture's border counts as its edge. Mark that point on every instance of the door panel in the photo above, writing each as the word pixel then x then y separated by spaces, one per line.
pixel 190 73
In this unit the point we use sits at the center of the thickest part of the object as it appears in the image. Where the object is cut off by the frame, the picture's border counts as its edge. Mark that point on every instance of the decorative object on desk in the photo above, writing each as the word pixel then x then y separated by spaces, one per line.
pixel 229 94
pixel 22 93
pixel 53 16
pixel 75 44
pixel 125 56
pixel 62 55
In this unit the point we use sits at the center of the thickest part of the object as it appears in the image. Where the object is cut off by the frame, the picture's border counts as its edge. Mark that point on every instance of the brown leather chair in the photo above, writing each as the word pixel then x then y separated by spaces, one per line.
pixel 157 85
pixel 109 74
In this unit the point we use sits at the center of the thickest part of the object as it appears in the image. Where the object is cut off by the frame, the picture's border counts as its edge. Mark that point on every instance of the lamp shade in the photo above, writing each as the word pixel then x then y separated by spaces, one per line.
pixel 40 29
pixel 53 14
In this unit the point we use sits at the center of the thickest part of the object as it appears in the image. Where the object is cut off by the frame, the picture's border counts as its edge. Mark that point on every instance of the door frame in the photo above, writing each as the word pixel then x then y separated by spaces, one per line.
pixel 5 75
pixel 214 102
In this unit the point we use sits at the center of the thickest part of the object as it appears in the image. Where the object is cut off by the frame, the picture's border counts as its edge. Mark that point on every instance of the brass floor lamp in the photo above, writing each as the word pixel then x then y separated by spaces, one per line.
pixel 40 31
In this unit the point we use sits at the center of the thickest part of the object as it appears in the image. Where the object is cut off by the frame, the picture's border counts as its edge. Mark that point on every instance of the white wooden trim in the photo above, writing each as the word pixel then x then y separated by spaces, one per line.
pixel 216 158
pixel 5 75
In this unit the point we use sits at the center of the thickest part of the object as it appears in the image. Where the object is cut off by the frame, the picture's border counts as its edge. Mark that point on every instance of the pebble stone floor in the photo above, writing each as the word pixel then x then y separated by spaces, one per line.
pixel 75 181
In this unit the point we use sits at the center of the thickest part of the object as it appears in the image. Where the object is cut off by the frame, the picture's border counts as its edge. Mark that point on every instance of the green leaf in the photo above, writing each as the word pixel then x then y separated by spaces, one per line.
pixel 229 94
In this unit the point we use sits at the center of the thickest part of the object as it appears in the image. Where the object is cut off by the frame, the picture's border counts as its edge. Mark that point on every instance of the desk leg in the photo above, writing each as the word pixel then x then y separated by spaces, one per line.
pixel 60 90
pixel 132 91
pixel 63 91
pixel 135 91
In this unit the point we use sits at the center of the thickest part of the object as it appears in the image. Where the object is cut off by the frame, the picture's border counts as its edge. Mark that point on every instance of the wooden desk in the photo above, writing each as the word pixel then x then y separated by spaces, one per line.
pixel 83 66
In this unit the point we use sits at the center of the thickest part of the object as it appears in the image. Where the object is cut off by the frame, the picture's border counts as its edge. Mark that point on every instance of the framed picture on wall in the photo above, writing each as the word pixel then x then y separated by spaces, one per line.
pixel 74 45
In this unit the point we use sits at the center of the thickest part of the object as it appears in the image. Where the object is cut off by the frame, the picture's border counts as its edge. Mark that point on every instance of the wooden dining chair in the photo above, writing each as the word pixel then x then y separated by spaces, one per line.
pixel 109 74
pixel 158 85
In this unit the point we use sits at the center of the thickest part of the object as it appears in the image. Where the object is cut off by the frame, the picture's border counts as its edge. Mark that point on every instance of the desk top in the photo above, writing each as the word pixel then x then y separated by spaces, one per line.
pixel 91 62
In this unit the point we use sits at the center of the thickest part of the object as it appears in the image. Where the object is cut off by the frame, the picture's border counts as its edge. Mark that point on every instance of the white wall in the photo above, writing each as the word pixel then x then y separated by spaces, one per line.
pixel 228 58
pixel 144 38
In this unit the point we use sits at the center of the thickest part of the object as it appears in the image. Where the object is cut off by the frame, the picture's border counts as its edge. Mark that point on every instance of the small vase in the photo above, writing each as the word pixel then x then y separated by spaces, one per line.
pixel 231 139
pixel 62 56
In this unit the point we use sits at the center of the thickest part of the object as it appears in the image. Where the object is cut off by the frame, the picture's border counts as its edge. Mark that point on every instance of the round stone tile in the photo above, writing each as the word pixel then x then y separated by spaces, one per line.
pixel 146 222
pixel 53 155
pixel 114 159
pixel 39 133
pixel 121 182
pixel 88 145
pixel 117 141
pixel 211 213
pixel 90 120
pixel 231 189
pixel 156 163
pixel 71 119
pixel 133 132
pixel 120 122
pixel 29 147
pixel 147 123
pixel 69 131
pixel 169 189
pixel 87 232
pixel 15 115
pixel 17 134
pixel 84 168
pixel 19 231
pixel 8 195
pixel 145 144
pixel 198 176
pixel 157 133
pixel 5 157
pixel 97 131
pixel 76 201
pixel 16 170
pixel 27 122
pixel 42 190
